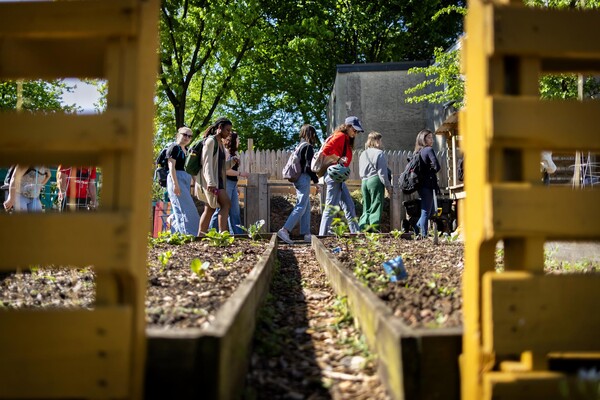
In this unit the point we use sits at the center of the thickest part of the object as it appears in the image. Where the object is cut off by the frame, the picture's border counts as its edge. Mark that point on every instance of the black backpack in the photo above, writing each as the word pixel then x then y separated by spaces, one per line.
pixel 410 179
pixel 162 166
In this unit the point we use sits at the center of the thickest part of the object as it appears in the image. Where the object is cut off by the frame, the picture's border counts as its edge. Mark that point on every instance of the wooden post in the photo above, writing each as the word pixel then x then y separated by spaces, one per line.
pixel 257 201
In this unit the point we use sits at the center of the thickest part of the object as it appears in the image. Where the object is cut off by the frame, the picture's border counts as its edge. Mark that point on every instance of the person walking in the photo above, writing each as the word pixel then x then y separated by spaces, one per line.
pixel 373 172
pixel 77 188
pixel 429 185
pixel 231 145
pixel 184 218
pixel 341 144
pixel 211 180
pixel 24 188
pixel 301 211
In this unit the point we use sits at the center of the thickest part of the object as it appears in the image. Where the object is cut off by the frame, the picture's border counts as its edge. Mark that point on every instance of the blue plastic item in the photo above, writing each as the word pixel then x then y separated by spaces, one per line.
pixel 394 268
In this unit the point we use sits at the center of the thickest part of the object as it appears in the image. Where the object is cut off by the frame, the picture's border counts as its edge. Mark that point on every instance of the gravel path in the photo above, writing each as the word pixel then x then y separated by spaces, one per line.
pixel 306 345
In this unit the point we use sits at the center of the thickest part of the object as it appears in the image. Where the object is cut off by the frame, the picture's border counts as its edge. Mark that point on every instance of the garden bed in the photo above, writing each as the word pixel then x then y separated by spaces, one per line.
pixel 200 325
pixel 413 324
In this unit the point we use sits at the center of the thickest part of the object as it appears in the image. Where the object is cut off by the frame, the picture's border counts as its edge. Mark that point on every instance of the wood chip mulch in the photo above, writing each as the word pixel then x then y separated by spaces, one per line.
pixel 306 345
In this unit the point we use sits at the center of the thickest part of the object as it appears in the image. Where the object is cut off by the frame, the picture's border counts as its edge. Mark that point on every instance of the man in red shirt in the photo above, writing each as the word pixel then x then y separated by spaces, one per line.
pixel 77 188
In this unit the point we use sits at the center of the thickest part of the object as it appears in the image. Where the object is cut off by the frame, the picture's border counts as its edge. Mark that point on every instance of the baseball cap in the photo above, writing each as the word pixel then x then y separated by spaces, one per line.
pixel 355 122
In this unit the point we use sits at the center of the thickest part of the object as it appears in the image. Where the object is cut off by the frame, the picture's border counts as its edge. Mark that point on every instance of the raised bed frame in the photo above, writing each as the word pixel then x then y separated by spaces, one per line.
pixel 413 363
pixel 210 363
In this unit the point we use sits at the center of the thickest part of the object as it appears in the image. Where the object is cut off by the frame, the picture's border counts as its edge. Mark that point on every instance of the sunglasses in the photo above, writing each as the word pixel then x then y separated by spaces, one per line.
pixel 186 135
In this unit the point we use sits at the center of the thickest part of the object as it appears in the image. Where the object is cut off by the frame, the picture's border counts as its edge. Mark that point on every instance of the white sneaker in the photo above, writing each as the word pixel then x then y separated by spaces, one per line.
pixel 308 238
pixel 284 235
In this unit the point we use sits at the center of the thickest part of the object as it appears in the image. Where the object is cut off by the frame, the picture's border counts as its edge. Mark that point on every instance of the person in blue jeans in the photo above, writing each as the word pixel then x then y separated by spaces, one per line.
pixel 185 217
pixel 429 168
pixel 340 144
pixel 234 220
pixel 301 212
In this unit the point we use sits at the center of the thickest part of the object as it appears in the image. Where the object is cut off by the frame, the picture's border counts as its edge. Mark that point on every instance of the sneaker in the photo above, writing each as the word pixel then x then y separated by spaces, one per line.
pixel 308 238
pixel 284 235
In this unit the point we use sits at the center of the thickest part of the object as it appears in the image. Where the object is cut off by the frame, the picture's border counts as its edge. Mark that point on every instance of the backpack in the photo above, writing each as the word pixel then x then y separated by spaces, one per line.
pixel 410 179
pixel 321 162
pixel 293 168
pixel 162 166
pixel 193 160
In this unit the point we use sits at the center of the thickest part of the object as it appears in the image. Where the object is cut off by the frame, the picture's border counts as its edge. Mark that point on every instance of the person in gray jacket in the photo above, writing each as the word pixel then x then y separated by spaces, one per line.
pixel 373 171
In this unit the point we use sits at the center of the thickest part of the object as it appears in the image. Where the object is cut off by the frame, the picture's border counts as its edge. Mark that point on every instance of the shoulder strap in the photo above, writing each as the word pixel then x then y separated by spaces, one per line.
pixel 216 143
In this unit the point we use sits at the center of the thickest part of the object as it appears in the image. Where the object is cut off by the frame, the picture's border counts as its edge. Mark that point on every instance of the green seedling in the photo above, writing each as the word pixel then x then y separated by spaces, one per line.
pixel 218 239
pixel 230 260
pixel 396 233
pixel 199 268
pixel 171 238
pixel 253 230
pixel 164 259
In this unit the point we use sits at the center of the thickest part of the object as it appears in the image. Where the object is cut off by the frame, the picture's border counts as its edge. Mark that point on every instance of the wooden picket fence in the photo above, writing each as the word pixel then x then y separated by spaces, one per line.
pixel 271 162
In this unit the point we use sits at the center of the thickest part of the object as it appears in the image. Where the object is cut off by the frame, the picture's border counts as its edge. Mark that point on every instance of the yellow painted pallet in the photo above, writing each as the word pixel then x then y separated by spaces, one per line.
pixel 514 320
pixel 82 353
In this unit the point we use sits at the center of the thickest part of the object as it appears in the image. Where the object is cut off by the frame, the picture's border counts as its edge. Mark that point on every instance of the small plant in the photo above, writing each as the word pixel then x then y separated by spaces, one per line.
pixel 164 259
pixel 218 239
pixel 199 268
pixel 344 318
pixel 230 260
pixel 339 227
pixel 396 233
pixel 253 230
pixel 171 238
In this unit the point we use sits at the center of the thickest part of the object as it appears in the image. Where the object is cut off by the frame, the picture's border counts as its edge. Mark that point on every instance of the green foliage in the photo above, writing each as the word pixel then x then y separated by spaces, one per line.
pixel 199 268
pixel 253 230
pixel 270 65
pixel 444 75
pixel 218 239
pixel 396 233
pixel 37 96
pixel 171 238
pixel 447 84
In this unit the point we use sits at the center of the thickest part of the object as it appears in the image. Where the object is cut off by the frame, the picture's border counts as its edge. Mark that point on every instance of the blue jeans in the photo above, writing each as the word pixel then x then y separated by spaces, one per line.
pixel 185 214
pixel 337 194
pixel 427 210
pixel 234 218
pixel 23 203
pixel 301 211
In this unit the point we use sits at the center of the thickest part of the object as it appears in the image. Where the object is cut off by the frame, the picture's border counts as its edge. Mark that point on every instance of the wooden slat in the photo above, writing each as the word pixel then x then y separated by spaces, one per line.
pixel 527 122
pixel 536 386
pixel 52 58
pixel 66 353
pixel 68 18
pixel 540 313
pixel 533 31
pixel 65 239
pixel 558 213
pixel 562 65
pixel 50 138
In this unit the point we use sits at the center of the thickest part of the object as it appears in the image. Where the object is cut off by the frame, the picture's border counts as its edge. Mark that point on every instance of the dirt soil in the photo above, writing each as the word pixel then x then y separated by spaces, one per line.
pixel 429 297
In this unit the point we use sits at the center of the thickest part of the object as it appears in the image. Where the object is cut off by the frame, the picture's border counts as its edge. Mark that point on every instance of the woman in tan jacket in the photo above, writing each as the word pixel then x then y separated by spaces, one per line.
pixel 211 180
